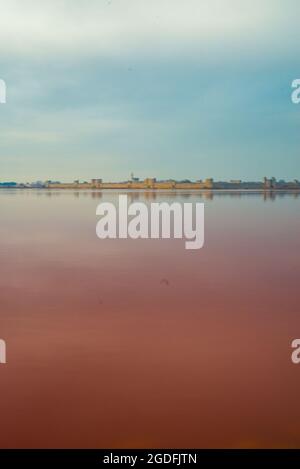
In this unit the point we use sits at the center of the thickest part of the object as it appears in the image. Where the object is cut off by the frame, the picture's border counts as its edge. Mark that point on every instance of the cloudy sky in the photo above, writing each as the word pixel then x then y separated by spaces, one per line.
pixel 165 88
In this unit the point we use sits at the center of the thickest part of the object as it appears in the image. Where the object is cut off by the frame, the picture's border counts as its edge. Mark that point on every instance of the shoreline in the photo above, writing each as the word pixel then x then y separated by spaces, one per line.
pixel 154 189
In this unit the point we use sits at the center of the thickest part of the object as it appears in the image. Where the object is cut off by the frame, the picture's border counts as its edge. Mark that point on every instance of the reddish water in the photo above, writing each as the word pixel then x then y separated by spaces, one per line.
pixel 142 343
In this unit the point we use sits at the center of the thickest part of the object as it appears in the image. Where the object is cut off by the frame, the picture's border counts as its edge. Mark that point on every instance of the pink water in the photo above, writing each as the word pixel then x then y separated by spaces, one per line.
pixel 123 343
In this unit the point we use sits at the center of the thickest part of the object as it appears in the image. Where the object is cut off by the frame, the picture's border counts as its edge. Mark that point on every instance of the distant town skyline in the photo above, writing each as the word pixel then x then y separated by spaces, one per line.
pixel 267 184
pixel 133 176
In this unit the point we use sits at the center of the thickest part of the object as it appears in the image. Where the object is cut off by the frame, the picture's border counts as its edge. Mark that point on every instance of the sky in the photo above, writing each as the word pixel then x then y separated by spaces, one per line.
pixel 161 88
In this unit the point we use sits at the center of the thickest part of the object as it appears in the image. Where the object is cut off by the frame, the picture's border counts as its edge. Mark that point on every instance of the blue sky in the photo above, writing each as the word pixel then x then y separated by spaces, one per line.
pixel 167 88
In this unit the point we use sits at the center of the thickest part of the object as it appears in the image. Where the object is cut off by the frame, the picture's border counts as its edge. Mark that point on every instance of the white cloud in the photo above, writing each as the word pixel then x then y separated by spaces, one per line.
pixel 115 27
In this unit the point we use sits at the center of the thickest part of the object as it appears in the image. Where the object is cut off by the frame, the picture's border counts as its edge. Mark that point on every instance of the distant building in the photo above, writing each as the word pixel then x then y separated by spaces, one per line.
pixel 208 183
pixel 269 184
pixel 96 183
pixel 149 182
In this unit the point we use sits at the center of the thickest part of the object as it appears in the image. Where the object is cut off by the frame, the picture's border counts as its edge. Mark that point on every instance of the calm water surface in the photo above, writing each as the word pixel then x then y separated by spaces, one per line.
pixel 122 343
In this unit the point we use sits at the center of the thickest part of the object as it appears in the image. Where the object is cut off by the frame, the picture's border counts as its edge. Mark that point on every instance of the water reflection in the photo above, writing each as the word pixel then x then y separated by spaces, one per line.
pixel 153 195
pixel 124 343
